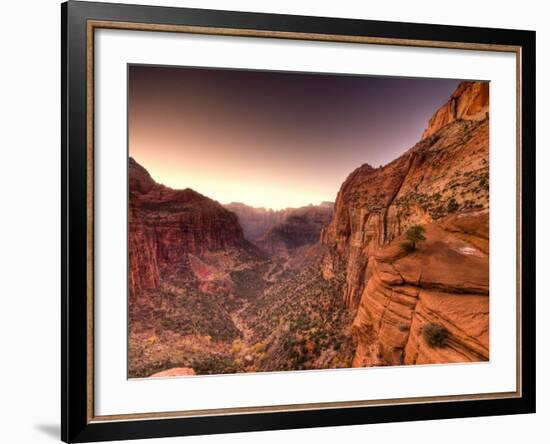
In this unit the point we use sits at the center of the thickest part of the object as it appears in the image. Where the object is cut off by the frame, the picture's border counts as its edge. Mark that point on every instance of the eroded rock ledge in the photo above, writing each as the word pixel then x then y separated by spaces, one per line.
pixel 441 183
pixel 444 282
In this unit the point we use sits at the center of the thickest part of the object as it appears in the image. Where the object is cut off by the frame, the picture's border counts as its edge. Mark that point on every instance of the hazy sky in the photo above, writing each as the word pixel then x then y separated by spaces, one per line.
pixel 272 139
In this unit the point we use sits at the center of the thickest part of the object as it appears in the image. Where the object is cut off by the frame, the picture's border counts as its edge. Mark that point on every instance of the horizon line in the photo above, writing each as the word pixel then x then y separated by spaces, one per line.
pixel 264 207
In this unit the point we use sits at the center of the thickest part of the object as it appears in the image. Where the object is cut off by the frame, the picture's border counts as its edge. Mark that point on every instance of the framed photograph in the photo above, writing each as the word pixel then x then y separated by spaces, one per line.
pixel 275 221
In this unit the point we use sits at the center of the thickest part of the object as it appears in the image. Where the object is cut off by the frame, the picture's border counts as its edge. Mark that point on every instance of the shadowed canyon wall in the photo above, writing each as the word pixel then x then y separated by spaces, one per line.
pixel 165 225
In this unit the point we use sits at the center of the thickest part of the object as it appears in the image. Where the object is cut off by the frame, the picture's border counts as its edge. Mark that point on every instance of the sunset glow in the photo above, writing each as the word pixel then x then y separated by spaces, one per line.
pixel 271 139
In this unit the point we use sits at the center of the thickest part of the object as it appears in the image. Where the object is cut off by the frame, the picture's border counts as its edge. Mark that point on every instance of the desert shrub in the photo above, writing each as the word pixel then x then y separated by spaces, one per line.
pixel 435 335
pixel 415 234
pixel 452 205
pixel 407 247
pixel 213 364
pixel 438 212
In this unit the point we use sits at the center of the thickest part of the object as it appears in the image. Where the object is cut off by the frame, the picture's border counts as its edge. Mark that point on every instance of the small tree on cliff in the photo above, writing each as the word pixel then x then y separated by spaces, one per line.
pixel 414 234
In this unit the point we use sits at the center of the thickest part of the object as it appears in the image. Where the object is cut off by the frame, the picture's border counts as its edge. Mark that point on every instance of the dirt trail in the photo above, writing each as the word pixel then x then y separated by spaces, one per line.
pixel 241 325
pixel 276 268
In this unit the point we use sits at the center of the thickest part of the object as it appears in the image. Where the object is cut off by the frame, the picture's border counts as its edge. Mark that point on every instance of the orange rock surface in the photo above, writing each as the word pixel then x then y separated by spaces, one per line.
pixel 469 102
pixel 177 371
pixel 441 183
pixel 166 225
pixel 445 281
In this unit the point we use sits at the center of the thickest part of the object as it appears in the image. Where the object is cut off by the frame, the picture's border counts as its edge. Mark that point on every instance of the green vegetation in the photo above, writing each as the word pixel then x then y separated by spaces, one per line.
pixel 152 354
pixel 414 234
pixel 214 365
pixel 461 190
pixel 185 311
pixel 435 334
pixel 178 326
pixel 242 323
pixel 301 323
pixel 248 282
pixel 484 182
pixel 452 205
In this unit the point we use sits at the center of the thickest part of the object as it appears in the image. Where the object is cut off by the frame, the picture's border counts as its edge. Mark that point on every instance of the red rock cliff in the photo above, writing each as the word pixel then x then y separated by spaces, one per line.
pixel 165 224
pixel 469 102
pixel 443 177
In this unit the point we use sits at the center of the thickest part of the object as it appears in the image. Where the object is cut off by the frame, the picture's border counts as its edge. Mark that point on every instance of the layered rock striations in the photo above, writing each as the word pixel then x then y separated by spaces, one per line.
pixel 443 184
pixel 205 300
pixel 166 225
pixel 470 101
pixel 443 284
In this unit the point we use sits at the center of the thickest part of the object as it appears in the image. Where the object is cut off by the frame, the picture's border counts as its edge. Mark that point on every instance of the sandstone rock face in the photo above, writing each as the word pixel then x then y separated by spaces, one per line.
pixel 166 225
pixel 443 184
pixel 445 173
pixel 281 232
pixel 469 102
pixel 444 282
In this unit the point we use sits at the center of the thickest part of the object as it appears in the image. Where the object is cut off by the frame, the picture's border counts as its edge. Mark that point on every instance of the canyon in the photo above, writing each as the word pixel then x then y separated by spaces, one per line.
pixel 204 299
pixel 231 288
pixel 280 233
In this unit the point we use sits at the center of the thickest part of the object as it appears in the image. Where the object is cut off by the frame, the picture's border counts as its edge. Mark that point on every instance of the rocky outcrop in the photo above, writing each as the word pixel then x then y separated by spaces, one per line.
pixel 469 102
pixel 166 225
pixel 177 371
pixel 442 183
pixel 444 283
pixel 445 173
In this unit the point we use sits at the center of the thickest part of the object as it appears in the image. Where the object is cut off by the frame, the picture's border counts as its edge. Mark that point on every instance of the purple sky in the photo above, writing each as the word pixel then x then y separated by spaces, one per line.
pixel 272 139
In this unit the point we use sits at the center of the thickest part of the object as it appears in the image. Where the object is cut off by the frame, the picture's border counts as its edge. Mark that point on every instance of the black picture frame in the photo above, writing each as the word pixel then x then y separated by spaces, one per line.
pixel 77 425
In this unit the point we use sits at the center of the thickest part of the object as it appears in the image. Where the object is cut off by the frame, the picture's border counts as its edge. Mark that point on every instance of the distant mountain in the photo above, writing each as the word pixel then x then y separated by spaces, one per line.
pixel 282 231
pixel 256 221
pixel 300 227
